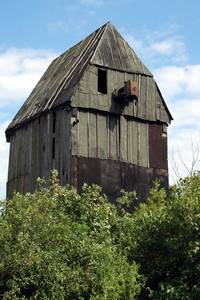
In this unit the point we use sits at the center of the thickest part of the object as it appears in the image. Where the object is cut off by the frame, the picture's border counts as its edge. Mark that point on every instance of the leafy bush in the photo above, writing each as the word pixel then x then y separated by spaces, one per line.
pixel 58 244
pixel 163 237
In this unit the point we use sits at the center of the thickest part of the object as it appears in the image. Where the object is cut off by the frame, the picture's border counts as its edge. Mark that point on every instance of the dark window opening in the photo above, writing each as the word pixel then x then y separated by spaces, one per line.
pixel 102 81
pixel 54 122
pixel 53 147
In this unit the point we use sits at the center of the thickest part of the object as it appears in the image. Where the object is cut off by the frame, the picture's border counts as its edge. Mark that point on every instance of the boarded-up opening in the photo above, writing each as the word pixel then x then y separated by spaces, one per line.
pixel 102 81
pixel 157 147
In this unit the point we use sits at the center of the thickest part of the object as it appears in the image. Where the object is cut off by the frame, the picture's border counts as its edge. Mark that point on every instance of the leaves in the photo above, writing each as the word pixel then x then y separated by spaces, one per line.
pixel 58 244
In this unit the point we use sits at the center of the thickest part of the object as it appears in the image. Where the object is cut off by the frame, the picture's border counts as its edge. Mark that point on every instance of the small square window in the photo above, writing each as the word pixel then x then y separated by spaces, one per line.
pixel 102 81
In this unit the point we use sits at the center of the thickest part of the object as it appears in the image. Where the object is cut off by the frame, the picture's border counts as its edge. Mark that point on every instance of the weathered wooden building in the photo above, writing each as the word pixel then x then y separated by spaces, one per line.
pixel 97 116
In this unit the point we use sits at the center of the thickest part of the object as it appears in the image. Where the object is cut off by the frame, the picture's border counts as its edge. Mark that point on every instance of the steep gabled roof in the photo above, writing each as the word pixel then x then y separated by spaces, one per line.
pixel 104 47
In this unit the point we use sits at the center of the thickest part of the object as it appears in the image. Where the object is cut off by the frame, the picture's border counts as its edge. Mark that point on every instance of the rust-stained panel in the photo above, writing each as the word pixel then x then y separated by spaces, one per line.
pixel 157 147
pixel 113 176
pixel 110 179
pixel 88 171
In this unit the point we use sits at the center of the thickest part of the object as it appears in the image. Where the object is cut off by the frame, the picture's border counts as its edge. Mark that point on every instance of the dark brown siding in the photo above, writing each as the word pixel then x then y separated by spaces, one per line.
pixel 113 176
pixel 157 147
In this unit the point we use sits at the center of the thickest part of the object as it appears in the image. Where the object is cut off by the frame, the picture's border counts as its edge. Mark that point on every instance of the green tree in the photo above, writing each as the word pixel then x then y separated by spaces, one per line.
pixel 163 237
pixel 58 244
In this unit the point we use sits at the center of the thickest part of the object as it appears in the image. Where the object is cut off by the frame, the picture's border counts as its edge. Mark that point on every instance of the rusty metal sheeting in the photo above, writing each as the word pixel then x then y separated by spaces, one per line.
pixel 157 147
pixel 113 176
pixel 104 47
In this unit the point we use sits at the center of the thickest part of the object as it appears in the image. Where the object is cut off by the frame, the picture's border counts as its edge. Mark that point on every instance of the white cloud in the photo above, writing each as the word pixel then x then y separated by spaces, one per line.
pixel 169 47
pixel 180 87
pixel 155 47
pixel 4 153
pixel 20 69
pixel 184 152
pixel 175 80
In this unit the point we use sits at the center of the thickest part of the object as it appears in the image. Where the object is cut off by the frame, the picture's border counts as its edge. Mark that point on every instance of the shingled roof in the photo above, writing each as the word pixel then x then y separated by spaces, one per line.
pixel 104 47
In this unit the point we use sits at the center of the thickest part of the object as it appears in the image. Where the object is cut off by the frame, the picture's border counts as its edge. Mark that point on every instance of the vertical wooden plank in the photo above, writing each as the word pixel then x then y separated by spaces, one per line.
pixel 118 137
pixel 111 81
pixel 151 101
pixel 142 97
pixel 143 145
pixel 113 137
pixel 129 141
pixel 11 167
pixel 34 155
pixel 123 138
pixel 130 104
pixel 83 133
pixel 102 136
pixel 26 149
pixel 92 93
pixel 74 135
pixel 67 151
pixel 92 135
pixel 113 105
pixel 135 141
pixel 59 142
pixel 63 146
pixel 16 155
pixel 120 79
pixel 47 143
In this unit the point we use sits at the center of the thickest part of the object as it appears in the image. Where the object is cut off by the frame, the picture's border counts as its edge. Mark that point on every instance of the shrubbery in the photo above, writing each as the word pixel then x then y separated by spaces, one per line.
pixel 58 244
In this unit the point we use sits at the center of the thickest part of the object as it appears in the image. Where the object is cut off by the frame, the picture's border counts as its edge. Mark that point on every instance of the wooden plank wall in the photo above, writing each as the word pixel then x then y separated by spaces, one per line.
pixel 31 152
pixel 148 107
pixel 108 136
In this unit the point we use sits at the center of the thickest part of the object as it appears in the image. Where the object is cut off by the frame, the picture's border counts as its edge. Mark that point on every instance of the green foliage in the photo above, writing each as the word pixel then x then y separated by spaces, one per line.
pixel 163 237
pixel 58 244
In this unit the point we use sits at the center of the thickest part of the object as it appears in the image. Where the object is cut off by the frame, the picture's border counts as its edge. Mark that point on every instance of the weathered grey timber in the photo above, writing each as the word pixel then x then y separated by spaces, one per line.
pixel 81 120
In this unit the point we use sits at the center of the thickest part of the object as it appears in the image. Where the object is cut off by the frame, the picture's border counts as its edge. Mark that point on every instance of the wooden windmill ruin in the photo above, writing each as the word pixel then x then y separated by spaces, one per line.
pixel 97 116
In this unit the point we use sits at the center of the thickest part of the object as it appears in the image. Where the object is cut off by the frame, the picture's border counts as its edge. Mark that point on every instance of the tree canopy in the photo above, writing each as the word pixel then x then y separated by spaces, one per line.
pixel 57 243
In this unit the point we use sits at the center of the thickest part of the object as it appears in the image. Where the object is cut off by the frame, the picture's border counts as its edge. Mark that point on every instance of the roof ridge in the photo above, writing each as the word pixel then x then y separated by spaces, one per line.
pixel 74 66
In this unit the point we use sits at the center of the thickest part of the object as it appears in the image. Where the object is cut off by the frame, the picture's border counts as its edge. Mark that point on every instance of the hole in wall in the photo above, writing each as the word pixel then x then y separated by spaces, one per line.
pixel 102 81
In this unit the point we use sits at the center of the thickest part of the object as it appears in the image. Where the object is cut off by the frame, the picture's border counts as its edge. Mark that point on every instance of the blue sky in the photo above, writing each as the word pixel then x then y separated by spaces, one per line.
pixel 165 34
